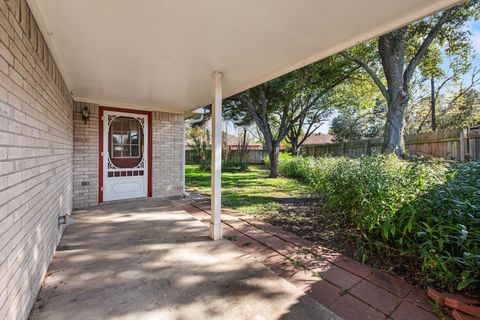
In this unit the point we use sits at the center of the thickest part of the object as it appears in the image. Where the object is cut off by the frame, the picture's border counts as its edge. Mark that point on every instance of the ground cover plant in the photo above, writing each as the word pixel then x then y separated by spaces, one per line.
pixel 426 212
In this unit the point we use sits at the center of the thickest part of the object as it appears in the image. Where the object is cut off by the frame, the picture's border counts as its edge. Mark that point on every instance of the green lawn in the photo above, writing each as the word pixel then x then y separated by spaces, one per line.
pixel 250 192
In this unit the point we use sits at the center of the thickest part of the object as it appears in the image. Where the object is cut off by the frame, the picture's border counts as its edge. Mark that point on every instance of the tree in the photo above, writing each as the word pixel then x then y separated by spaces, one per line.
pixel 392 59
pixel 308 122
pixel 242 146
pixel 276 106
pixel 439 78
pixel 267 106
pixel 443 106
pixel 357 124
pixel 198 138
pixel 463 111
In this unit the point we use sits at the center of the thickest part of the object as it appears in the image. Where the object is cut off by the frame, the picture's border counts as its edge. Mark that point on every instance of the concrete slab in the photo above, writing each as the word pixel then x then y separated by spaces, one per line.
pixel 150 260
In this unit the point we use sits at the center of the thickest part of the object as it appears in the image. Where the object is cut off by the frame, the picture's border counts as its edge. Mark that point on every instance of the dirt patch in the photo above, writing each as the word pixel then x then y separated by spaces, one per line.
pixel 310 219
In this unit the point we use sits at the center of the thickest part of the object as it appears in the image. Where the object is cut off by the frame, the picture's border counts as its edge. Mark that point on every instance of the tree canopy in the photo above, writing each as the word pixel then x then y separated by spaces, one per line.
pixel 393 59
pixel 289 104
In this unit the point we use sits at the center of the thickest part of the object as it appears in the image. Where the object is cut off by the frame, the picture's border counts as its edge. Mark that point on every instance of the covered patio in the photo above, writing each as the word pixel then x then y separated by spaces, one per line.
pixel 93 98
pixel 174 57
pixel 151 260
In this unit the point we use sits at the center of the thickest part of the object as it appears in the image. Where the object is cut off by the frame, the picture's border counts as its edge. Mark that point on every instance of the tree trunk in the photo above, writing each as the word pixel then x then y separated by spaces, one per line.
pixel 295 148
pixel 393 136
pixel 273 155
pixel 391 47
pixel 432 106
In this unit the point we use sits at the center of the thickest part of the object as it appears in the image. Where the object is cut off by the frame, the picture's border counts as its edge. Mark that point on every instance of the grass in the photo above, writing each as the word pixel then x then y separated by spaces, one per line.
pixel 250 192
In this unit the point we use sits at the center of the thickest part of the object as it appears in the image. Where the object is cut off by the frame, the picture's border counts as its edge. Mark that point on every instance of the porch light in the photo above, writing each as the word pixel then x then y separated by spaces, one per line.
pixel 85 114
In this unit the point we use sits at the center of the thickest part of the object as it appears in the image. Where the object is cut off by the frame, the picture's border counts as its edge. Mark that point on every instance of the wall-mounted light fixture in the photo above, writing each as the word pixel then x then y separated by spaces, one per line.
pixel 85 114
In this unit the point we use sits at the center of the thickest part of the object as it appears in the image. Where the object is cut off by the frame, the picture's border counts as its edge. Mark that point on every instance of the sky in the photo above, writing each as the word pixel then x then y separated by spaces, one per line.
pixel 475 27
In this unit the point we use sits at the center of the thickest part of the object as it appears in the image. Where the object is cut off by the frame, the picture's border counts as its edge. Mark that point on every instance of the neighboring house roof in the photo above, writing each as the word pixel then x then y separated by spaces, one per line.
pixel 232 142
pixel 231 139
pixel 318 138
pixel 254 146
pixel 251 146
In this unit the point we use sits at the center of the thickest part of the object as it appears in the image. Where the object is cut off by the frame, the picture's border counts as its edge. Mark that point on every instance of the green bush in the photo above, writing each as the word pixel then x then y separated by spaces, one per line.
pixel 227 166
pixel 232 166
pixel 428 211
pixel 447 221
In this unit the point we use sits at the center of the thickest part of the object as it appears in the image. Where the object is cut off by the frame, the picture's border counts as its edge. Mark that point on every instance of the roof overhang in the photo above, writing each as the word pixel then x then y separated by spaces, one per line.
pixel 159 54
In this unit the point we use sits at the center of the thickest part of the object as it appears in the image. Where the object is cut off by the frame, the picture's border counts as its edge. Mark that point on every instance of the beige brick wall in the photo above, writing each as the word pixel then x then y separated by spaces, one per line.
pixel 36 135
pixel 85 156
pixel 167 154
pixel 42 141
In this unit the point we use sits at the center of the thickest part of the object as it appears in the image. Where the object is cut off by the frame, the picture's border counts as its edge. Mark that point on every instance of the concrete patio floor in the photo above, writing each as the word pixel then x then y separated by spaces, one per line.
pixel 151 260
pixel 349 288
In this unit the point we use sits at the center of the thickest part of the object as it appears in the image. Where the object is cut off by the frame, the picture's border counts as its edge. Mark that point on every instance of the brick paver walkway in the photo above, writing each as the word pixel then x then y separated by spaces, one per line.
pixel 347 287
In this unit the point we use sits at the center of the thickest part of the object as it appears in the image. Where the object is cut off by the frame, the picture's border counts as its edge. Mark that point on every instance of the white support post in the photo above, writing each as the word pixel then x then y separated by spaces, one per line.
pixel 215 229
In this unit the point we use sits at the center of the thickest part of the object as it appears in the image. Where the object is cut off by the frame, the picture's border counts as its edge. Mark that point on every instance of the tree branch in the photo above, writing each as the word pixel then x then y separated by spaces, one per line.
pixel 253 112
pixel 439 88
pixel 407 75
pixel 370 72
pixel 474 81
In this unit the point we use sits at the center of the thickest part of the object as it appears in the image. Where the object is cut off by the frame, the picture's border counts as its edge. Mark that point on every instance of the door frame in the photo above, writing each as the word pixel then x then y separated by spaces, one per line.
pixel 101 110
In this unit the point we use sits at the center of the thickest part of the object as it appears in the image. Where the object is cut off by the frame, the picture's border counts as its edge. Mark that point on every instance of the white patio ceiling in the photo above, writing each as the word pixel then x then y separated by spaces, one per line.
pixel 159 54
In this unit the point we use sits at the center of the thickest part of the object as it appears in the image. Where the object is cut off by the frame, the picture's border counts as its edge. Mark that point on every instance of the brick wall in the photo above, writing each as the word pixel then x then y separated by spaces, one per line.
pixel 167 157
pixel 85 156
pixel 42 141
pixel 167 154
pixel 35 158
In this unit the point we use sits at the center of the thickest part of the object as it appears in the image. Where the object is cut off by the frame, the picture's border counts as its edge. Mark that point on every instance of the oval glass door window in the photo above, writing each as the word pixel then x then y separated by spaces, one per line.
pixel 126 142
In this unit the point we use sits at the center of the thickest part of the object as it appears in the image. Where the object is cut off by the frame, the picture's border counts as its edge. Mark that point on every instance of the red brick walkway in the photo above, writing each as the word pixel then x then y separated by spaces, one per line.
pixel 347 287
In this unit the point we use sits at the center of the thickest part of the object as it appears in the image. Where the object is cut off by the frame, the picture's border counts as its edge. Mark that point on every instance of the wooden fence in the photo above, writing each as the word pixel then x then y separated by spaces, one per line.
pixel 453 144
pixel 253 156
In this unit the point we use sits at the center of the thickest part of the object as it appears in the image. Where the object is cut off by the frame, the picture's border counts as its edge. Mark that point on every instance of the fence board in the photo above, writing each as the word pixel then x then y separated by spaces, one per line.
pixel 452 144
pixel 474 145
pixel 440 144
pixel 253 156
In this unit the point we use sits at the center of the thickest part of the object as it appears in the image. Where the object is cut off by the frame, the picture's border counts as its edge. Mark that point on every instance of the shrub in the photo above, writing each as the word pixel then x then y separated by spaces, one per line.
pixel 201 145
pixel 227 166
pixel 232 166
pixel 428 211
pixel 448 228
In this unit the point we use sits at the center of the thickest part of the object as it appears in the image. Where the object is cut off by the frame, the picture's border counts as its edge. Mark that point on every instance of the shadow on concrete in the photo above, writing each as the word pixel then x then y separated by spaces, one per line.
pixel 149 260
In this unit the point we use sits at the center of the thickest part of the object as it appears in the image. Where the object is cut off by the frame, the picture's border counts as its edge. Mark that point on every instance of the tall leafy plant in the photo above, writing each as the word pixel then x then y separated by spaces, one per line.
pixel 426 211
